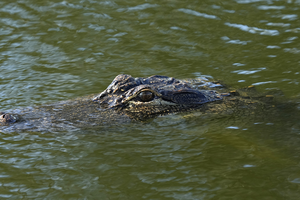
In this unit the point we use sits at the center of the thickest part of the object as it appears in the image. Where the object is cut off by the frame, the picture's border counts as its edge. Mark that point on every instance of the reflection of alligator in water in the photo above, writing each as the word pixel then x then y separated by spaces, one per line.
pixel 128 98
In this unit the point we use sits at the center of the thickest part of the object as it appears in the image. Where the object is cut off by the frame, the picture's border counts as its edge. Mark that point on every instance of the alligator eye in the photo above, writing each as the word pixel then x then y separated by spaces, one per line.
pixel 146 96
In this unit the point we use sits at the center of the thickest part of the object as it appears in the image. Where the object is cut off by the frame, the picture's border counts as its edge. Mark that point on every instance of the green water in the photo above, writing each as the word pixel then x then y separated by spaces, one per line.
pixel 57 50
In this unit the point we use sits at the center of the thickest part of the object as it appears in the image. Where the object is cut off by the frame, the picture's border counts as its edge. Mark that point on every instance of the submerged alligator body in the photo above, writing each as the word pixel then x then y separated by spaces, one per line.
pixel 128 98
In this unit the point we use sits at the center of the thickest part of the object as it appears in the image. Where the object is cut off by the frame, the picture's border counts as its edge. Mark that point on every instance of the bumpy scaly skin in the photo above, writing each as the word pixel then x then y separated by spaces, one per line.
pixel 128 98
pixel 165 95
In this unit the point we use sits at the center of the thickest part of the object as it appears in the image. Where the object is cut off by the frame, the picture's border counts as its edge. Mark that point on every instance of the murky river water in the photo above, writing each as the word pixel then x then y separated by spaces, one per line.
pixel 57 50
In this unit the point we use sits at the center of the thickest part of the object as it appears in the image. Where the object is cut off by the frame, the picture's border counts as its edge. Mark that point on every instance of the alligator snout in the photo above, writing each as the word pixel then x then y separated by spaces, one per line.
pixel 6 118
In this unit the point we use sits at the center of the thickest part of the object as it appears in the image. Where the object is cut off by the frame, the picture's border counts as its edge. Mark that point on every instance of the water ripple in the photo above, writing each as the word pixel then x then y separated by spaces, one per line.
pixel 247 72
pixel 55 50
pixel 198 14
pixel 264 7
pixel 253 29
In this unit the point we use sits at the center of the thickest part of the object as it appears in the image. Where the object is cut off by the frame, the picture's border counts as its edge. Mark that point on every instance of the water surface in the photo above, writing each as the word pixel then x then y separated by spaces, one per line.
pixel 57 50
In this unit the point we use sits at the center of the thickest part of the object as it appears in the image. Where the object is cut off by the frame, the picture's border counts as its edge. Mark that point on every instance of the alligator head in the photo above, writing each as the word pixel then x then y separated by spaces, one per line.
pixel 144 98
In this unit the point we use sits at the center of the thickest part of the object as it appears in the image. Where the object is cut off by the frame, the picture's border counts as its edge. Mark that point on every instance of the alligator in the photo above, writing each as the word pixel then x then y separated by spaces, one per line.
pixel 129 99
